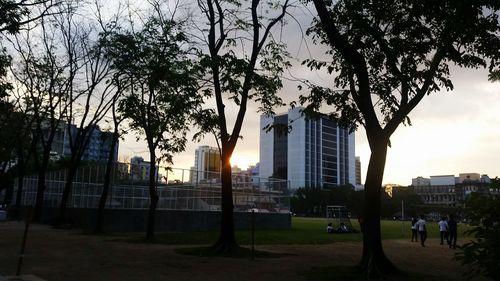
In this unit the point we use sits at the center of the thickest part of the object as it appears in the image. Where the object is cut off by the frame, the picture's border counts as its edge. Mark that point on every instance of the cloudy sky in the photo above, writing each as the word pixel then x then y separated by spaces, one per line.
pixel 451 133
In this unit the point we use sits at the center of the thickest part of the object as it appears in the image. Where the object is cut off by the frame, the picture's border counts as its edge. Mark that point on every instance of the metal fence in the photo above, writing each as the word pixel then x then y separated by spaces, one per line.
pixel 175 193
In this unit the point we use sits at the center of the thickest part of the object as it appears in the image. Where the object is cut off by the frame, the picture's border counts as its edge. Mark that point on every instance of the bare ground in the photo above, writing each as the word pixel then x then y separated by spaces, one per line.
pixel 68 255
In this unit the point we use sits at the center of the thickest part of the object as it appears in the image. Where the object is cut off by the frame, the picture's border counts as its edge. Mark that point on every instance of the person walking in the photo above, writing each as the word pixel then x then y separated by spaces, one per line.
pixel 414 229
pixel 443 230
pixel 452 234
pixel 422 230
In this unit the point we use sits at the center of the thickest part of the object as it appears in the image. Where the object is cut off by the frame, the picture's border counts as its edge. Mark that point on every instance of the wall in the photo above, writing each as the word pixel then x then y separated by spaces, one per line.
pixel 443 180
pixel 123 220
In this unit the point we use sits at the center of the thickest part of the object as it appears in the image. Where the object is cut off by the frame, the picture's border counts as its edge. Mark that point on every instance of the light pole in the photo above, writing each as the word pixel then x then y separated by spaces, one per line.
pixel 402 217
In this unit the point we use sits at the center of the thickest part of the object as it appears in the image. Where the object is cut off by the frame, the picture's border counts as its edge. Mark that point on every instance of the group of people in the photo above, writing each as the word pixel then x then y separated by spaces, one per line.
pixel 342 228
pixel 447 230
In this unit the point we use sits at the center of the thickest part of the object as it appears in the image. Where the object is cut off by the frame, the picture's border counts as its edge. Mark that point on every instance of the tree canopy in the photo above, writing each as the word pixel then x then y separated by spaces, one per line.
pixel 386 56
pixel 242 62
pixel 160 86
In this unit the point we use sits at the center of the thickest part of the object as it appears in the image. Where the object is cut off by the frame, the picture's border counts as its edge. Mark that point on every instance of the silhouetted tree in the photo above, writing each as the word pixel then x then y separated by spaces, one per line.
pixel 93 95
pixel 249 73
pixel 15 14
pixel 42 81
pixel 387 56
pixel 117 120
pixel 160 89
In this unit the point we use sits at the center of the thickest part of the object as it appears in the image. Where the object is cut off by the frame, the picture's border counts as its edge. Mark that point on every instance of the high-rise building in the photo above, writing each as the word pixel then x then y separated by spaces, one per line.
pixel 207 164
pixel 140 169
pixel 358 171
pixel 314 153
pixel 98 146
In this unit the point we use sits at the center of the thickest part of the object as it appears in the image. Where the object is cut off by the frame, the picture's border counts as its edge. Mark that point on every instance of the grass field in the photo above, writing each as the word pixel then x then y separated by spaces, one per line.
pixel 304 231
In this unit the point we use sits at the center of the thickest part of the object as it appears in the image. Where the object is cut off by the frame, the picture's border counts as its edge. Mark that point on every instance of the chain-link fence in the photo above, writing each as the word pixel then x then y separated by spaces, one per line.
pixel 178 189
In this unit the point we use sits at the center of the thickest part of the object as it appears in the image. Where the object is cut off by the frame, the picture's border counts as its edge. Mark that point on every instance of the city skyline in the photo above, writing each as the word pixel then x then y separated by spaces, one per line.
pixel 451 133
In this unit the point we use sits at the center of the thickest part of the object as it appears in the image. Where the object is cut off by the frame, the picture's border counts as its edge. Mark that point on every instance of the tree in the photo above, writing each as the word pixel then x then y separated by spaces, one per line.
pixel 15 140
pixel 160 90
pixel 249 73
pixel 93 95
pixel 481 254
pixel 495 183
pixel 117 120
pixel 312 201
pixel 387 56
pixel 15 14
pixel 42 80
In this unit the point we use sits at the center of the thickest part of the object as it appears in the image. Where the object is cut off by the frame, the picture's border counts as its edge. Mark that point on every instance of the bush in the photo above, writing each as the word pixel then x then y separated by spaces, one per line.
pixel 483 253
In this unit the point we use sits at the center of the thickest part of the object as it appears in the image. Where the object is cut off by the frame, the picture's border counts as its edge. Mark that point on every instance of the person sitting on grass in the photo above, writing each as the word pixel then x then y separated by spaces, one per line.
pixel 329 228
pixel 343 228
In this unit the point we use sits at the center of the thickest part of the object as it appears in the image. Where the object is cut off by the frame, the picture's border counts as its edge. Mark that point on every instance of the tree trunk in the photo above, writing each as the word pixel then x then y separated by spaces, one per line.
pixel 40 192
pixel 70 176
pixel 227 241
pixel 21 170
pixel 153 195
pixel 22 162
pixel 374 261
pixel 106 185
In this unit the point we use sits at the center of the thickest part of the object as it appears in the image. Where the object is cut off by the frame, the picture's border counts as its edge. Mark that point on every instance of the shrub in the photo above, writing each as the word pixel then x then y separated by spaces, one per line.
pixel 483 253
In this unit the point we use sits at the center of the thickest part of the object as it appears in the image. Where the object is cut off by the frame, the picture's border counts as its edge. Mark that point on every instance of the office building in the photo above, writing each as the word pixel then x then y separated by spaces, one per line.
pixel 207 164
pixel 358 171
pixel 314 153
pixel 450 190
pixel 98 147
pixel 140 169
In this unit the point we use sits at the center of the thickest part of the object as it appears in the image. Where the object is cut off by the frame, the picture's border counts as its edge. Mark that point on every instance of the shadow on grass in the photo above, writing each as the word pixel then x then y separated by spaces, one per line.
pixel 352 273
pixel 240 252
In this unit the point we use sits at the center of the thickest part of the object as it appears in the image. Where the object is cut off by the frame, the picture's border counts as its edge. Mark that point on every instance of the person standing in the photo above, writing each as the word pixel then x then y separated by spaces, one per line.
pixel 422 230
pixel 361 223
pixel 452 234
pixel 414 229
pixel 443 229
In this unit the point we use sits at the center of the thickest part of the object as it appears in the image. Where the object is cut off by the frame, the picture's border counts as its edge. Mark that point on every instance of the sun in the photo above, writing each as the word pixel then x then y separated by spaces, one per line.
pixel 243 161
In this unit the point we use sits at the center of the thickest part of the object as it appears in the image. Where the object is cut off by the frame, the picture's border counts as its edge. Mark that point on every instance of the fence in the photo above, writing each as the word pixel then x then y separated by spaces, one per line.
pixel 128 191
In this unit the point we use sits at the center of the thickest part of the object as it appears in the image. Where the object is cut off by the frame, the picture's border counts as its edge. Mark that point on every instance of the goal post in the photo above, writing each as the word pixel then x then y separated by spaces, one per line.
pixel 338 215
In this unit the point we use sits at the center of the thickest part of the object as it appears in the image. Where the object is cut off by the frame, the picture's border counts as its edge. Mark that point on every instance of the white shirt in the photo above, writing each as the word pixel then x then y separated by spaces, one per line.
pixel 415 225
pixel 421 225
pixel 443 225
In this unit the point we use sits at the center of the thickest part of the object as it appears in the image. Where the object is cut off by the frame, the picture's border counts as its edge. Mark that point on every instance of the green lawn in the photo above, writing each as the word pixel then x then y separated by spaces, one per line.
pixel 303 231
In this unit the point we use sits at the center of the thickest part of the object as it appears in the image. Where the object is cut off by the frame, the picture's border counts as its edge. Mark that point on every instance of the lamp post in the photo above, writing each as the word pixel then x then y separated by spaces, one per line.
pixel 402 217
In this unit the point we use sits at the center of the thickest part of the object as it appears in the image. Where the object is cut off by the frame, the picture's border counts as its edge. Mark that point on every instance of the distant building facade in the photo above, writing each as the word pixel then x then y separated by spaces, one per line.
pixel 140 169
pixel 98 148
pixel 358 173
pixel 207 164
pixel 420 181
pixel 315 153
pixel 450 190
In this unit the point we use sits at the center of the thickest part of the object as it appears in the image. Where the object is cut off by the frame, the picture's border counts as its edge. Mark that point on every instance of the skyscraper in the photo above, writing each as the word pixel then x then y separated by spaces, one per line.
pixel 315 153
pixel 358 171
pixel 207 164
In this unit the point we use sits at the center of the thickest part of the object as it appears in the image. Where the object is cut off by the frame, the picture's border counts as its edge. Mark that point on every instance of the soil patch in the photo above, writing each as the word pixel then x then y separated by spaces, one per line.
pixel 63 255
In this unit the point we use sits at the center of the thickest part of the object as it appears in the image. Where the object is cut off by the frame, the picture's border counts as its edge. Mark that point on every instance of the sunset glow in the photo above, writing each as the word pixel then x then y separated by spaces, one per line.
pixel 243 161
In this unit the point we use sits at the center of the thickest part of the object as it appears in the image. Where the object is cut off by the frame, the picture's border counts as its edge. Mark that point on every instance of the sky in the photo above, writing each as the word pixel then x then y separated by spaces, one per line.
pixel 452 132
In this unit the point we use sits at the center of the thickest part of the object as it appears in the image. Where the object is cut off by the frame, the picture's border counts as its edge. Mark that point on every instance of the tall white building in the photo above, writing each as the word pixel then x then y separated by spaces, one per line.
pixel 315 153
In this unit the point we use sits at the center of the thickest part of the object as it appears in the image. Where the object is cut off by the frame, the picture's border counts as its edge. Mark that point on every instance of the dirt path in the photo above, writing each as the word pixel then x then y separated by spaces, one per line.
pixel 67 255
